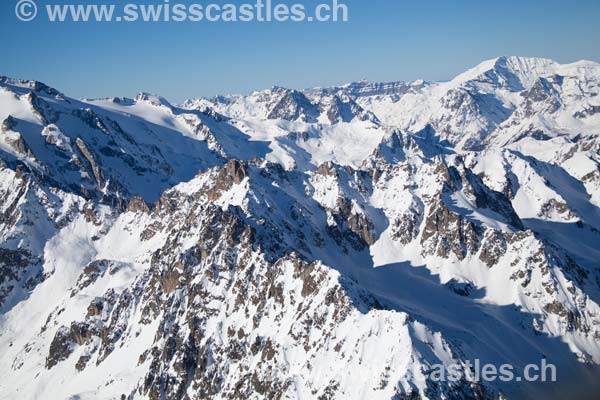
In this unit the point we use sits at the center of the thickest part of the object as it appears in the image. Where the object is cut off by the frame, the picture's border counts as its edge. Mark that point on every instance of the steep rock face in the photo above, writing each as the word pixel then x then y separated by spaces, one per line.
pixel 292 106
pixel 341 108
pixel 28 217
pixel 342 194
pixel 364 89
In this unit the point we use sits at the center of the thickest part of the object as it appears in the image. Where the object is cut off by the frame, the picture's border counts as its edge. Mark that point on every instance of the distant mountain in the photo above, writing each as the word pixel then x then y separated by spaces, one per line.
pixel 499 102
pixel 323 243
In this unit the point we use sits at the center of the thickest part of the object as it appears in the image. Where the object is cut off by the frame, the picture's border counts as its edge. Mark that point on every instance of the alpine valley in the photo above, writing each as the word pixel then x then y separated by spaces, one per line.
pixel 330 243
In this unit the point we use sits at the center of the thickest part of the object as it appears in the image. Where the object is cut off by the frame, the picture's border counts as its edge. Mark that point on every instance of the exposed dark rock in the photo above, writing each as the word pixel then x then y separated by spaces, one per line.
pixel 137 204
pixel 8 124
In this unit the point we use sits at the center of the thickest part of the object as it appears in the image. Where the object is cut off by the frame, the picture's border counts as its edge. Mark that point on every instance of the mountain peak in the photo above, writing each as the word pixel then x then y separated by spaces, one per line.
pixel 525 70
pixel 32 85
pixel 155 100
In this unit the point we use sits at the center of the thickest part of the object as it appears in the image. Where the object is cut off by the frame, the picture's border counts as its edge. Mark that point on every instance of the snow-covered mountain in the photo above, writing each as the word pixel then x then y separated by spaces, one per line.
pixel 323 243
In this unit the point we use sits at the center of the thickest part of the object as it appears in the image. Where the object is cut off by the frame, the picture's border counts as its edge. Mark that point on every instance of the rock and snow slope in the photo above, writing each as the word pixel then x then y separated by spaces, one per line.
pixel 326 243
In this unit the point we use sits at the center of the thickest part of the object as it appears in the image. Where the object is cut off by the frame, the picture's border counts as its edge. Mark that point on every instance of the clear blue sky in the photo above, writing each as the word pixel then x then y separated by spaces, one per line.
pixel 384 40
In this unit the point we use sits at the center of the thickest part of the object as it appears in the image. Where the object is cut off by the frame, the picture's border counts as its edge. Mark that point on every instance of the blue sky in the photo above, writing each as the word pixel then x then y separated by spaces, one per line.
pixel 384 40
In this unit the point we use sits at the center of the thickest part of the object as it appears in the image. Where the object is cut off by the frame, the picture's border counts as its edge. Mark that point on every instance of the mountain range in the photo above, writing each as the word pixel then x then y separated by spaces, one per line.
pixel 331 243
